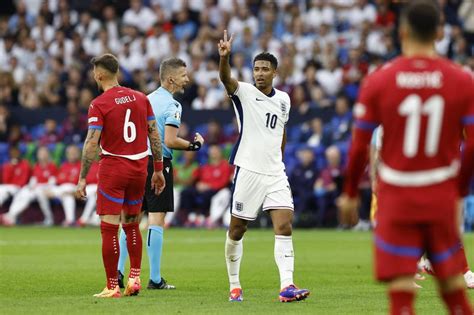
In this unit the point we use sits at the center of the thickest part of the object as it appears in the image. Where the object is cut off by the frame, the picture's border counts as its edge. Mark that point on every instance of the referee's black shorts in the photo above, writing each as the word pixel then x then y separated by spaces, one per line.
pixel 164 202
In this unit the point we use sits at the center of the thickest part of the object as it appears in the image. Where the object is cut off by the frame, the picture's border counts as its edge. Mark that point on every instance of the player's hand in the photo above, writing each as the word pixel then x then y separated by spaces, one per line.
pixel 80 192
pixel 158 182
pixel 198 137
pixel 225 45
pixel 348 214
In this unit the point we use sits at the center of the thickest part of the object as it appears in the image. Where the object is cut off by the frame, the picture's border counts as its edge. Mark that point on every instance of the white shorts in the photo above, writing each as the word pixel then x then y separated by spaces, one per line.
pixel 253 191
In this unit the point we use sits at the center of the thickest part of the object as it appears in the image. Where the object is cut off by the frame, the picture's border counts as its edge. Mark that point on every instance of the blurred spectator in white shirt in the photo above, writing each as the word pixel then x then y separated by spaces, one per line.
pixel 319 12
pixel 362 11
pixel 241 20
pixel 111 22
pixel 88 27
pixel 139 16
pixel 42 32
pixel 330 77
pixel 158 43
pixel 62 47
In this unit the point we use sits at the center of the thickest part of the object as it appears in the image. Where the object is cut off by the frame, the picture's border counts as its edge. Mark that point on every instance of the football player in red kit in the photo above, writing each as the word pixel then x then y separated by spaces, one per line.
pixel 66 180
pixel 120 120
pixel 42 179
pixel 15 174
pixel 423 103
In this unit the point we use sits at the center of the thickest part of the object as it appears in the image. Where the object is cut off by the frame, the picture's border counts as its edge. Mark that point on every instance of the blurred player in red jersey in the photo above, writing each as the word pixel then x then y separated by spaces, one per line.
pixel 91 191
pixel 121 120
pixel 423 103
pixel 66 180
pixel 15 175
pixel 43 177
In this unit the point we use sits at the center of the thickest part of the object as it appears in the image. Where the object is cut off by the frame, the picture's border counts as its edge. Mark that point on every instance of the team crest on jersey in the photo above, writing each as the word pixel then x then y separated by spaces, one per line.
pixel 239 206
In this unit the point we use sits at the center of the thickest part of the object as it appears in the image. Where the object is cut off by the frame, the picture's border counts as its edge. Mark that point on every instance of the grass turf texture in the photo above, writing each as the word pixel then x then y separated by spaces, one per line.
pixel 55 270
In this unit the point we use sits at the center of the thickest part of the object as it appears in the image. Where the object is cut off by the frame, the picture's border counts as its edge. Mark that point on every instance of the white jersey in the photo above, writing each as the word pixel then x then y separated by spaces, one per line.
pixel 261 119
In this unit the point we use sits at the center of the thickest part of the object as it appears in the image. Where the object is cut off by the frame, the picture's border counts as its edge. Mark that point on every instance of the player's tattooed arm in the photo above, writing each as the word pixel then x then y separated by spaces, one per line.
pixel 374 162
pixel 224 47
pixel 155 141
pixel 89 152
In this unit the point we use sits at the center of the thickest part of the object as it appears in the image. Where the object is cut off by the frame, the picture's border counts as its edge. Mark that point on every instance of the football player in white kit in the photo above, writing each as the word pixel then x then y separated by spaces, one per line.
pixel 260 181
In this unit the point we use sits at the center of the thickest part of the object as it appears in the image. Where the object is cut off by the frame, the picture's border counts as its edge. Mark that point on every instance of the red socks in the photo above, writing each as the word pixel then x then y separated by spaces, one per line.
pixel 457 302
pixel 110 252
pixel 134 246
pixel 401 302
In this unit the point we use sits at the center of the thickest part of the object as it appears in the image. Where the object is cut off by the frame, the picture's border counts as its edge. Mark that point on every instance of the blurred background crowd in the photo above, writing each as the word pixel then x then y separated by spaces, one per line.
pixel 324 48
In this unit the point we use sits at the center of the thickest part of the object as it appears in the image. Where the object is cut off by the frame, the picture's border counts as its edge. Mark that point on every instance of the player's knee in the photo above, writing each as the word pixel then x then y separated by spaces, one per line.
pixel 236 232
pixel 130 218
pixel 156 218
pixel 451 284
pixel 283 228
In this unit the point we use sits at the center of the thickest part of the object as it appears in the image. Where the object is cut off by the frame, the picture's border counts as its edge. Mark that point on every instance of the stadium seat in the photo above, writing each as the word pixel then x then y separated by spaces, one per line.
pixel 469 213
pixel 4 157
pixel 36 131
pixel 202 129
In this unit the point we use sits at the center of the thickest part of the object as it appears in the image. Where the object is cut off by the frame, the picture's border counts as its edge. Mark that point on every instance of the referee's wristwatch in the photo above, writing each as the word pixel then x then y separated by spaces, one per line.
pixel 194 146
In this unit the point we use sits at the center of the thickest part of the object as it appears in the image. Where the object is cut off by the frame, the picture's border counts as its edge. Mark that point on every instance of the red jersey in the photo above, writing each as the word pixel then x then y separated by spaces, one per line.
pixel 16 173
pixel 122 115
pixel 423 105
pixel 92 176
pixel 68 173
pixel 42 174
pixel 216 176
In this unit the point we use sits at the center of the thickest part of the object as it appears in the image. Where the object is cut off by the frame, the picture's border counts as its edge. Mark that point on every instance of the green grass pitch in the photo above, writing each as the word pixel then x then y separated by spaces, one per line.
pixel 46 271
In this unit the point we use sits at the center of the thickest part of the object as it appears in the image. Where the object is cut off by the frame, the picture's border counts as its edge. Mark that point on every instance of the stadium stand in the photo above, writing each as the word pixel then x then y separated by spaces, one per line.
pixel 324 48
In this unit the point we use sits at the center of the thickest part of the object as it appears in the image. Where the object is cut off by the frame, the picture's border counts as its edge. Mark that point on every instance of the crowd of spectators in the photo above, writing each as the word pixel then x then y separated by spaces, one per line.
pixel 324 49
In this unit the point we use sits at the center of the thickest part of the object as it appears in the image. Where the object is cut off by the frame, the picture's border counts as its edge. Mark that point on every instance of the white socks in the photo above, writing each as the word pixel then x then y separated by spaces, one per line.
pixel 233 257
pixel 285 259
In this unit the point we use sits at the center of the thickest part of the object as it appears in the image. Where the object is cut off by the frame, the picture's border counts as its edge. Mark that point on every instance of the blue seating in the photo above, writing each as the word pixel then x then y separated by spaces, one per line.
pixel 4 147
pixel 469 213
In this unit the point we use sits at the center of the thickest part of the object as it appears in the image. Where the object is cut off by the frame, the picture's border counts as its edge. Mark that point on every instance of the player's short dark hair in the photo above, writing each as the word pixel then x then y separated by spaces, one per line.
pixel 423 17
pixel 267 57
pixel 170 64
pixel 107 61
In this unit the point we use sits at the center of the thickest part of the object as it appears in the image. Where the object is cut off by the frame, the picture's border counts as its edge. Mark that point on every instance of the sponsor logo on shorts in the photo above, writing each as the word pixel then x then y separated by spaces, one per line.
pixel 239 206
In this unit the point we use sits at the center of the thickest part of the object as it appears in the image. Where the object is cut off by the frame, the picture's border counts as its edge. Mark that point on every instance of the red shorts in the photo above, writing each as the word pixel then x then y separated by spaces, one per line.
pixel 400 242
pixel 119 189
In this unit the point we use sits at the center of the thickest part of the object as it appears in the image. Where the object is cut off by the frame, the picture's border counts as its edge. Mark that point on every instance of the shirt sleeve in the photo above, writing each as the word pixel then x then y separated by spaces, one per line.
pixel 287 109
pixel 467 165
pixel 95 118
pixel 149 110
pixel 468 117
pixel 241 91
pixel 365 113
pixel 173 115
pixel 366 122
